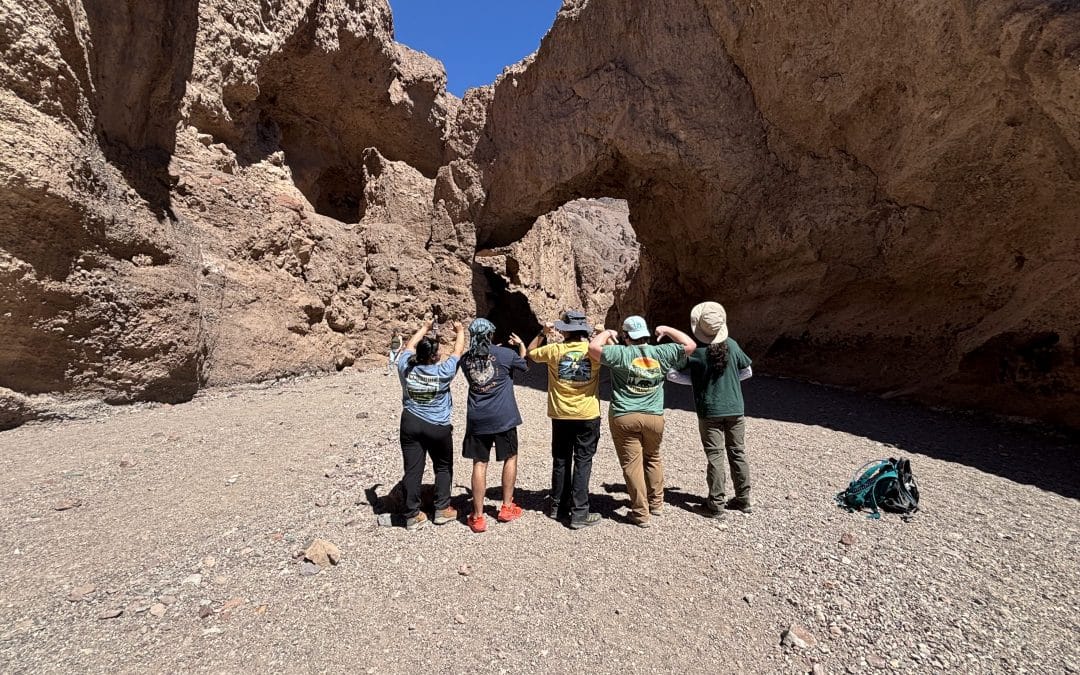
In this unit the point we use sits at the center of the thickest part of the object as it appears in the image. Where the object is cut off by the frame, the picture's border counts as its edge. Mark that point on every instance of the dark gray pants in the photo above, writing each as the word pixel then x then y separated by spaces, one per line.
pixel 573 444
pixel 725 438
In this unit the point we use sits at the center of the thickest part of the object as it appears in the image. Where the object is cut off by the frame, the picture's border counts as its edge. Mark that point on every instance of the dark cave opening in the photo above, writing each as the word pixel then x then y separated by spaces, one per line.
pixel 510 311
pixel 338 192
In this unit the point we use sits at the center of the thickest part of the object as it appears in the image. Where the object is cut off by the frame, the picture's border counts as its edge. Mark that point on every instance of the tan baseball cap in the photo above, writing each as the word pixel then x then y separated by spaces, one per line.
pixel 708 322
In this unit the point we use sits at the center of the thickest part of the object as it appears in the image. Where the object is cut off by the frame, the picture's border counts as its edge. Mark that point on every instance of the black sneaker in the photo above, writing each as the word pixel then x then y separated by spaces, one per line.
pixel 743 505
pixel 591 519
pixel 707 511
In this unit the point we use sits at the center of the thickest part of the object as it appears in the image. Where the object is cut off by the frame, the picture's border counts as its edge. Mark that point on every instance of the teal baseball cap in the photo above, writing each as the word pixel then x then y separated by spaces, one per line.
pixel 635 327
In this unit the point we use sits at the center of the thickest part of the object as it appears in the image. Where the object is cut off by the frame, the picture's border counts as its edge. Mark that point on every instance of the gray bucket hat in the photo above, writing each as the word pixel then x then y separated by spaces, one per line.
pixel 573 321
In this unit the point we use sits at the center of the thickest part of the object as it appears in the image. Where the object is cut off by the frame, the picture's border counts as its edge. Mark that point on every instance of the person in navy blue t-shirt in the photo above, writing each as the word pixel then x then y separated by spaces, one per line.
pixel 492 417
pixel 425 421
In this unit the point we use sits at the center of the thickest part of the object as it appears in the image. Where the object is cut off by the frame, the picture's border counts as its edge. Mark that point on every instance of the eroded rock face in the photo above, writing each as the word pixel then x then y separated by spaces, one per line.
pixel 885 196
pixel 579 256
pixel 191 195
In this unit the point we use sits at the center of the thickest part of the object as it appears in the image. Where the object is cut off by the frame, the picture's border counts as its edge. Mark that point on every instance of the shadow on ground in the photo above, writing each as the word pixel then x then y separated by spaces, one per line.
pixel 1017 452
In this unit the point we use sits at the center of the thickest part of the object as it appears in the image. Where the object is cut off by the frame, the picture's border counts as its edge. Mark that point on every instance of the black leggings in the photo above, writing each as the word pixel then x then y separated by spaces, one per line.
pixel 420 438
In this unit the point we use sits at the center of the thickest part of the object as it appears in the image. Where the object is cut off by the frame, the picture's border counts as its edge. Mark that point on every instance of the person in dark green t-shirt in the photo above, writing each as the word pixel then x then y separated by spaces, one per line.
pixel 636 415
pixel 717 370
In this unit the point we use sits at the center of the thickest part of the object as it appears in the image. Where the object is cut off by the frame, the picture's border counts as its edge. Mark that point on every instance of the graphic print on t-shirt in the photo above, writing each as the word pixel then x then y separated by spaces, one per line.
pixel 480 372
pixel 420 387
pixel 575 367
pixel 644 376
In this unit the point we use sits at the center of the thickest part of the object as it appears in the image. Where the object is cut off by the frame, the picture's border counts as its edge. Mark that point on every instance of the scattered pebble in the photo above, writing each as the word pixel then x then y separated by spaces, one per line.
pixel 111 613
pixel 465 569
pixel 79 593
pixel 798 637
pixel 193 580
pixel 322 552
pixel 309 569
pixel 158 609
pixel 459 618
pixel 848 539
pixel 65 504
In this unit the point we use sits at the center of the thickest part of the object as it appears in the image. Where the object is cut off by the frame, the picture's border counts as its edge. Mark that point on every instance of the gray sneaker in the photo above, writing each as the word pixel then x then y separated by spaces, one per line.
pixel 656 510
pixel 416 522
pixel 591 519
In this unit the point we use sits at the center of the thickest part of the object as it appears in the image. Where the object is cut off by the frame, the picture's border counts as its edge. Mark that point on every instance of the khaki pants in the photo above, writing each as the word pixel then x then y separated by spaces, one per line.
pixel 725 438
pixel 637 438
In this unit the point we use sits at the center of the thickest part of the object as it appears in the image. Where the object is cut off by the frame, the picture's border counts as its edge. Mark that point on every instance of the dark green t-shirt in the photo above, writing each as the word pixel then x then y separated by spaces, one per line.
pixel 637 376
pixel 718 395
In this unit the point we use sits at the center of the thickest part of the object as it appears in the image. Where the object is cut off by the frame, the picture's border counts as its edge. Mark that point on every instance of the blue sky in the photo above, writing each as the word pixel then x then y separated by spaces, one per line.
pixel 475 39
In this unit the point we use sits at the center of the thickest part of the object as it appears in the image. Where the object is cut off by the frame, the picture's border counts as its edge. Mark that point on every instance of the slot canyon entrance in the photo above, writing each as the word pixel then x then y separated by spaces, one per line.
pixel 581 255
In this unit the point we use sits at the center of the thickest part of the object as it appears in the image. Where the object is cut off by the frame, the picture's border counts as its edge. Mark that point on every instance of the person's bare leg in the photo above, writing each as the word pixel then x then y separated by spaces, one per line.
pixel 479 487
pixel 509 478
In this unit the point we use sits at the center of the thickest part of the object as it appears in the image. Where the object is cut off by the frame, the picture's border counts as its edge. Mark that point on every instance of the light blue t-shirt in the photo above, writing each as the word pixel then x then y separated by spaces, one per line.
pixel 425 390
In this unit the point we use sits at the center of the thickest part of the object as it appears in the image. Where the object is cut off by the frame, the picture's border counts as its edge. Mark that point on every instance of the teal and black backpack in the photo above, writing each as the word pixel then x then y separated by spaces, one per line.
pixel 882 484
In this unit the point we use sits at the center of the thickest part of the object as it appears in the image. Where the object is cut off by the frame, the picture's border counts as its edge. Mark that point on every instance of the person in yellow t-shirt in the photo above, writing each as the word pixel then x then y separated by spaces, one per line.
pixel 574 409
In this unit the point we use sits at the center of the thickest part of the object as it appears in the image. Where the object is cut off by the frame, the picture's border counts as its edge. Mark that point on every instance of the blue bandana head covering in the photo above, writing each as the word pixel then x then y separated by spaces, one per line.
pixel 480 332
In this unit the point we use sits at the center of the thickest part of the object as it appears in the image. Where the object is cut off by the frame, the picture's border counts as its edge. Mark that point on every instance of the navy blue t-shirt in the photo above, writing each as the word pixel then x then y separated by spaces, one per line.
pixel 492 406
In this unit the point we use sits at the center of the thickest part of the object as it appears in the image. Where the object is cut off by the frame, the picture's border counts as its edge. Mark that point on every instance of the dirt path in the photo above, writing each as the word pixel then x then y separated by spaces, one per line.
pixel 229 486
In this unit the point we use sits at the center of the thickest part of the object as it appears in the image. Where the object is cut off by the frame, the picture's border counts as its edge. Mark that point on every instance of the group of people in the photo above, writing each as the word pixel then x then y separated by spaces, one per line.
pixel 707 359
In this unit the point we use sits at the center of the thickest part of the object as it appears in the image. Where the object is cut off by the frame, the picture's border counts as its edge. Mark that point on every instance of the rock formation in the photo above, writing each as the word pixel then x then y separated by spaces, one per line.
pixel 581 255
pixel 189 196
pixel 885 197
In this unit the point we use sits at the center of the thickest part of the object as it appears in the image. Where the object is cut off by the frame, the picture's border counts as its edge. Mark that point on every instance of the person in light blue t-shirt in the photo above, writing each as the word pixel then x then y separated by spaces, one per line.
pixel 425 421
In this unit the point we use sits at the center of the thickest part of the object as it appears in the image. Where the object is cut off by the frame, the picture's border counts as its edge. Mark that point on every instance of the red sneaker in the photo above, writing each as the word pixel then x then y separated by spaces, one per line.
pixel 477 524
pixel 509 512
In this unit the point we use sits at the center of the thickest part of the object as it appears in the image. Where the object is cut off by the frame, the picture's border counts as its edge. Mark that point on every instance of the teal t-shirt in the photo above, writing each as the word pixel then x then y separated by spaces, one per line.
pixel 637 376
pixel 718 395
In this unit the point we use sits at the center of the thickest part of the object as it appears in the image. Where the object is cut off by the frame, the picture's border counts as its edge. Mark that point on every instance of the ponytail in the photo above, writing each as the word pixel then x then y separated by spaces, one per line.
pixel 716 356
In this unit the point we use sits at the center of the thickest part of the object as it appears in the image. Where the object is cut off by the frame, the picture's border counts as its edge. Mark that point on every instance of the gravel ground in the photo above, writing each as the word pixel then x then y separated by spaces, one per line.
pixel 189 517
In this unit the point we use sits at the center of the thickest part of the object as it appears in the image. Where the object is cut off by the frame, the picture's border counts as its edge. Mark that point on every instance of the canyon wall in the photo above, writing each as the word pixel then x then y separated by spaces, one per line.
pixel 884 196
pixel 192 195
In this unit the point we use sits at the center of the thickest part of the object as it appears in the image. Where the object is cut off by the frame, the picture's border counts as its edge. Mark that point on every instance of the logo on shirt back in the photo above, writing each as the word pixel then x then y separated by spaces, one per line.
pixel 575 367
pixel 421 388
pixel 644 376
pixel 480 372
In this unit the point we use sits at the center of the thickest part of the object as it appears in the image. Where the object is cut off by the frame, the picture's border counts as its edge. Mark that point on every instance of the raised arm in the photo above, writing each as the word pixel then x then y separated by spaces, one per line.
pixel 515 341
pixel 423 330
pixel 544 333
pixel 459 339
pixel 676 335
pixel 599 341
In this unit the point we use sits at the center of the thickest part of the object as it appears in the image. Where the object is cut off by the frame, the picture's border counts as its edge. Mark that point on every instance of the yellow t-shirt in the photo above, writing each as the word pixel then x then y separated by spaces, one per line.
pixel 573 380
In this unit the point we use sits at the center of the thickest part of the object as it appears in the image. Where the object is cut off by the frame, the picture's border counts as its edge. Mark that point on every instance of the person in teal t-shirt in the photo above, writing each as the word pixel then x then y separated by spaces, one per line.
pixel 717 371
pixel 636 415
